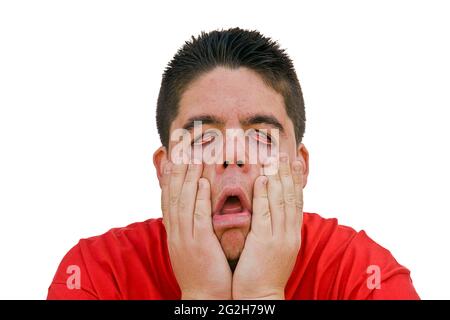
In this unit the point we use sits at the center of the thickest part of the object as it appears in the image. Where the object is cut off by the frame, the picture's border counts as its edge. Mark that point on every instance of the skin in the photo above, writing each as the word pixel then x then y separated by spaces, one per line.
pixel 265 248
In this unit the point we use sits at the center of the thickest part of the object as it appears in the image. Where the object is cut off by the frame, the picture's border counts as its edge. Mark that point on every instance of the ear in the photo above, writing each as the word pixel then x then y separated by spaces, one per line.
pixel 303 156
pixel 159 161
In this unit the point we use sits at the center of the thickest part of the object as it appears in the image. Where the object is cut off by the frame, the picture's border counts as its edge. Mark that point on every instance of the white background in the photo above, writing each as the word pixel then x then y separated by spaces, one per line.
pixel 78 87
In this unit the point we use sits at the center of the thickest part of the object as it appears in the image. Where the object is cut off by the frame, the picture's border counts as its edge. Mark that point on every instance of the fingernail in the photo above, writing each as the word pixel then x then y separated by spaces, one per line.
pixel 264 180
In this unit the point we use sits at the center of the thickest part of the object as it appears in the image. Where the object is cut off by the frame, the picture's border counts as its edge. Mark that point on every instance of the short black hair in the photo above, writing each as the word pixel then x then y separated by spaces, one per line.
pixel 231 48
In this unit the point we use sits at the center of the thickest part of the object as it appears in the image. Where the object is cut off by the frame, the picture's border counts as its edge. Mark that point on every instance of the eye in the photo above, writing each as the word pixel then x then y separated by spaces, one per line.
pixel 261 136
pixel 205 138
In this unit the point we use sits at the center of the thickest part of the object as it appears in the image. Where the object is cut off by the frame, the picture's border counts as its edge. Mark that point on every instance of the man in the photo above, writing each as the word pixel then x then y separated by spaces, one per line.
pixel 233 225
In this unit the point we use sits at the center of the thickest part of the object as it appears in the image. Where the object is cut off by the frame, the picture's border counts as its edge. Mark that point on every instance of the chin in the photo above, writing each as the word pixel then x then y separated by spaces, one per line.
pixel 232 242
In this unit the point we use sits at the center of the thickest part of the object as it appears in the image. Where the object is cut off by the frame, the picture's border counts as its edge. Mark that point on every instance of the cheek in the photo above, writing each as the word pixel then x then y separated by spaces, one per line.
pixel 259 153
pixel 286 145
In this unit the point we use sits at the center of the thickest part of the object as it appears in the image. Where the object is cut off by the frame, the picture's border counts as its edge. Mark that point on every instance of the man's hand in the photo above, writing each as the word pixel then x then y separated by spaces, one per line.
pixel 197 259
pixel 273 243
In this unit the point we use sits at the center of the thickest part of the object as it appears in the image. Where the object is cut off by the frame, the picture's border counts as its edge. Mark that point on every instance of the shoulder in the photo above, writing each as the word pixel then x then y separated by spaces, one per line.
pixel 103 260
pixel 323 233
pixel 327 234
pixel 337 262
pixel 116 243
pixel 133 234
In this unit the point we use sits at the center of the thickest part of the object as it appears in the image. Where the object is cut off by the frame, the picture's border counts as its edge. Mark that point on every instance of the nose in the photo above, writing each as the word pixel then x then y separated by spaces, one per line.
pixel 235 163
pixel 234 153
pixel 232 167
pixel 239 163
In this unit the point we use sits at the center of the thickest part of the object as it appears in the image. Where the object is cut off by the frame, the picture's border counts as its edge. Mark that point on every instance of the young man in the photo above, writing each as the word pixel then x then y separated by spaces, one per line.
pixel 233 227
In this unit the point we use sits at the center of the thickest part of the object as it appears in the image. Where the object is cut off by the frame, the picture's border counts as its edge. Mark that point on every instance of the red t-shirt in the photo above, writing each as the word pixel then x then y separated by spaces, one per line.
pixel 133 263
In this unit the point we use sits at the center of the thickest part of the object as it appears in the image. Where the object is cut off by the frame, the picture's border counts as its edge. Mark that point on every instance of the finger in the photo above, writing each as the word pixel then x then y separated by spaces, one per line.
pixel 261 220
pixel 288 190
pixel 269 166
pixel 186 203
pixel 202 213
pixel 165 196
pixel 297 176
pixel 276 202
pixel 177 175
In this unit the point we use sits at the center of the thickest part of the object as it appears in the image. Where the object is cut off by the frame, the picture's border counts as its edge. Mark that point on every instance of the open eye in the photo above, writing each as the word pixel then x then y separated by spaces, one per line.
pixel 261 136
pixel 205 138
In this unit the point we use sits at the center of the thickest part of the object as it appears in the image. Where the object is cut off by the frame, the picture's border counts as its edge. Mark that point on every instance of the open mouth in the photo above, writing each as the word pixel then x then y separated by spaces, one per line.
pixel 232 201
pixel 232 205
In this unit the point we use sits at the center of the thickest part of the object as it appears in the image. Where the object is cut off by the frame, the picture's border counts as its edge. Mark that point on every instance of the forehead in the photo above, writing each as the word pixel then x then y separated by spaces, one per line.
pixel 230 95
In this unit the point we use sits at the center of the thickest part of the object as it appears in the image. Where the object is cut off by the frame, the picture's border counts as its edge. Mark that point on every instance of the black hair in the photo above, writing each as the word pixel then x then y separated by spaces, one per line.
pixel 231 48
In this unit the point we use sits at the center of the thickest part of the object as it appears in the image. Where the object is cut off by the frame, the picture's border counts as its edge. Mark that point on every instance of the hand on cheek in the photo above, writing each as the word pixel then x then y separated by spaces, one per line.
pixel 197 259
pixel 273 243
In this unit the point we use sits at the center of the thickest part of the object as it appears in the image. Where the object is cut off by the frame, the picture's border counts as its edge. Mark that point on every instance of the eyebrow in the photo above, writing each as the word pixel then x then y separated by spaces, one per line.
pixel 205 119
pixel 252 120
pixel 263 119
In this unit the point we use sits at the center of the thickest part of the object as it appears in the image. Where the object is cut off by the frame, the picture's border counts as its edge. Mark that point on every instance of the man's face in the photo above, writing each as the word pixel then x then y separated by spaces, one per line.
pixel 235 99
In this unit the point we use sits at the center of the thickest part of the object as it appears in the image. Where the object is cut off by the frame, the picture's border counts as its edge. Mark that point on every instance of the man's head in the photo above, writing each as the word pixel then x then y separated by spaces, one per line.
pixel 232 79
